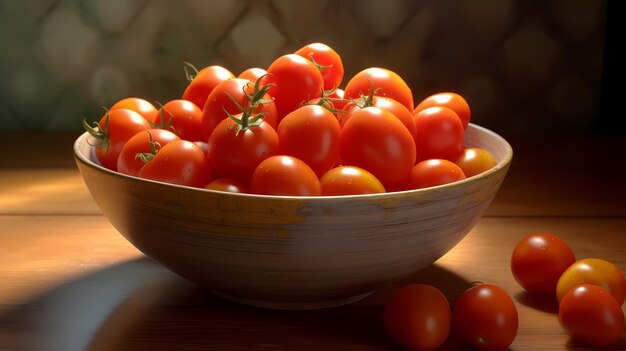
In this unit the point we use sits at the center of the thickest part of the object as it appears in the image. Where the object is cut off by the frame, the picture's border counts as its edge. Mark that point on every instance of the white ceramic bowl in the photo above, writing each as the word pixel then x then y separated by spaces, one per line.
pixel 293 252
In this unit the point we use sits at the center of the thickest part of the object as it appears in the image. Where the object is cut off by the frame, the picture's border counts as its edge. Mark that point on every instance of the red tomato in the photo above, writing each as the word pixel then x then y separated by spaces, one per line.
pixel 220 101
pixel 590 315
pixel 228 185
pixel 128 162
pixel 434 172
pixel 336 97
pixel 204 82
pixel 417 317
pixel 113 131
pixel 593 271
pixel 236 153
pixel 284 175
pixel 350 180
pixel 183 118
pixel 453 101
pixel 252 74
pixel 312 134
pixel 475 160
pixel 329 61
pixel 439 134
pixel 397 109
pixel 538 261
pixel 374 139
pixel 141 106
pixel 486 317
pixel 179 162
pixel 387 83
pixel 296 80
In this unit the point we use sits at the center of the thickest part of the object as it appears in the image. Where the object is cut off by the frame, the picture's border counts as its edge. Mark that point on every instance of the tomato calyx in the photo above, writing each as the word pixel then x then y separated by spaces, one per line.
pixel 162 123
pixel 100 134
pixel 326 101
pixel 187 66
pixel 248 118
pixel 366 101
pixel 319 67
pixel 148 156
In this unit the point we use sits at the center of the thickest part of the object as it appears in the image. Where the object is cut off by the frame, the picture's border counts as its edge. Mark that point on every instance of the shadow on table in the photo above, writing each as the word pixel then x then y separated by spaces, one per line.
pixel 542 302
pixel 138 305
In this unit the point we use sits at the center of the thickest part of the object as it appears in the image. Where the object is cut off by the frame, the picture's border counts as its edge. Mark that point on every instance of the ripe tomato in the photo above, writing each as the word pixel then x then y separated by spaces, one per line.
pixel 433 172
pixel 182 117
pixel 538 261
pixel 337 98
pixel 297 80
pixel 350 180
pixel 439 134
pixel 179 162
pixel 417 317
pixel 228 185
pixel 113 131
pixel 252 74
pixel 236 153
pixel 141 106
pixel 329 61
pixel 374 139
pixel 284 175
pixel 391 105
pixel 220 101
pixel 387 83
pixel 204 82
pixel 128 162
pixel 590 315
pixel 486 317
pixel 453 101
pixel 593 271
pixel 311 133
pixel 475 160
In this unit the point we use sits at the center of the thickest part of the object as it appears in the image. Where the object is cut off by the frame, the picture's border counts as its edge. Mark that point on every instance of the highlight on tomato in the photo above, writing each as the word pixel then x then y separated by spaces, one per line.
pixel 433 172
pixel 328 62
pixel 594 271
pixel 227 185
pixel 139 105
pixel 384 82
pixel 350 180
pixel 202 82
pixel 182 117
pixel 453 101
pixel 475 160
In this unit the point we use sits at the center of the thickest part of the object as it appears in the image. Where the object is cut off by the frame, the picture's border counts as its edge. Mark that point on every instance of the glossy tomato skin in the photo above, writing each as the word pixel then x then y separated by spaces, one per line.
pixel 593 271
pixel 128 162
pixel 296 80
pixel 453 101
pixel 434 172
pixel 122 125
pixel 486 317
pixel 219 101
pixel 236 154
pixel 324 55
pixel 475 161
pixel 439 134
pixel 417 317
pixel 227 185
pixel 286 176
pixel 590 314
pixel 350 180
pixel 204 82
pixel 311 133
pixel 375 140
pixel 179 162
pixel 139 105
pixel 538 261
pixel 252 74
pixel 183 117
pixel 388 83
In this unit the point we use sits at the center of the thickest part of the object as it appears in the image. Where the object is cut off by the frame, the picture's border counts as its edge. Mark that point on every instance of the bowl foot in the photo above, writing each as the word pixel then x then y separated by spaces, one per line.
pixel 294 305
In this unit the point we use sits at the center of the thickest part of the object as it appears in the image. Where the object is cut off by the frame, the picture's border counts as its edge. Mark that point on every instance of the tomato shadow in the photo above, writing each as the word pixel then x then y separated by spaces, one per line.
pixel 542 302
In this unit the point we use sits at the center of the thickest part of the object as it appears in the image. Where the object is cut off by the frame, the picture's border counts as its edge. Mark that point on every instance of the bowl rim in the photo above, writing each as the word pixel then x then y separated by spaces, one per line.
pixel 506 160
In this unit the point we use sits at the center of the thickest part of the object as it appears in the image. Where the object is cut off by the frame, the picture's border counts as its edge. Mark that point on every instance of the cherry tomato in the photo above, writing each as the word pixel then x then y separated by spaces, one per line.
pixel 297 80
pixel 228 185
pixel 252 74
pixel 337 98
pixel 590 314
pixel 439 134
pixel 434 172
pixel 417 317
pixel 453 101
pixel 475 160
pixel 141 106
pixel 179 162
pixel 128 162
pixel 396 108
pixel 284 175
pixel 538 261
pixel 220 101
pixel 329 61
pixel 374 139
pixel 350 180
pixel 204 82
pixel 311 133
pixel 113 131
pixel 182 117
pixel 593 271
pixel 486 317
pixel 386 83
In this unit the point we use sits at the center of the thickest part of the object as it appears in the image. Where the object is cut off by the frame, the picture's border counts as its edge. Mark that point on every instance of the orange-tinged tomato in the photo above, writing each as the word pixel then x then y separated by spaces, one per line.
pixel 329 60
pixel 204 82
pixel 453 101
pixel 475 161
pixel 139 105
pixel 286 176
pixel 227 185
pixel 593 271
pixel 350 180
pixel 252 74
pixel 182 117
pixel 434 172
pixel 386 83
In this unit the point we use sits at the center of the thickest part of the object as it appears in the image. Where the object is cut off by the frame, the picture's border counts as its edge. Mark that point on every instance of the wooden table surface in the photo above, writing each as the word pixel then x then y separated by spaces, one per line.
pixel 69 281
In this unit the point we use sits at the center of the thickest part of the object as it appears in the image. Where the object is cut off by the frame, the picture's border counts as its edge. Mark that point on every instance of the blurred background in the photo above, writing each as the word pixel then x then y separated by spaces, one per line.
pixel 526 67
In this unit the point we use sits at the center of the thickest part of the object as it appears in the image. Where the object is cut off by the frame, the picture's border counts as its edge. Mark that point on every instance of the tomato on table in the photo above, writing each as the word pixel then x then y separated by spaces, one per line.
pixel 179 162
pixel 475 160
pixel 439 134
pixel 284 175
pixel 593 271
pixel 204 82
pixel 453 101
pixel 385 82
pixel 328 60
pixel 433 172
pixel 147 142
pixel 350 180
pixel 182 117
pixel 139 105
